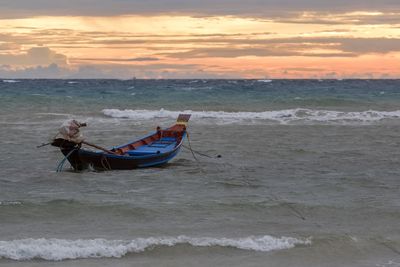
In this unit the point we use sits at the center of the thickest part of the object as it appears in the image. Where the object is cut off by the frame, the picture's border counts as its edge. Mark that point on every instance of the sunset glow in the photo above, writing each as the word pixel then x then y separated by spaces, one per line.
pixel 306 44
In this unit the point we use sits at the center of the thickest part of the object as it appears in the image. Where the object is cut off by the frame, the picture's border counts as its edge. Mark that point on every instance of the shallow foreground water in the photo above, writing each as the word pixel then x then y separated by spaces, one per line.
pixel 309 175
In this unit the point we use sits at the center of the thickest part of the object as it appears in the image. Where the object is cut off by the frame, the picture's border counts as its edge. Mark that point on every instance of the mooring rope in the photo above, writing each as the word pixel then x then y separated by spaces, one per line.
pixel 201 153
pixel 104 159
pixel 61 164
pixel 293 210
pixel 198 152
pixel 190 147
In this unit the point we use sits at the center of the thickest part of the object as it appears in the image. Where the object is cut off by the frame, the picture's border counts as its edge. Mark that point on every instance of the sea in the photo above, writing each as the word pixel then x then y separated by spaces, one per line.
pixel 298 173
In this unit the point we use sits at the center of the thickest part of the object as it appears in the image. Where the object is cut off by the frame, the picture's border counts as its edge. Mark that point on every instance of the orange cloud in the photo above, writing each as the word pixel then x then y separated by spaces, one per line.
pixel 224 46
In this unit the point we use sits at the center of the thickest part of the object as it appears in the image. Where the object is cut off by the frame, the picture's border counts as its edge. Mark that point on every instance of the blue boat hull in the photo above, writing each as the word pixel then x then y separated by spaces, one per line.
pixel 104 161
pixel 152 150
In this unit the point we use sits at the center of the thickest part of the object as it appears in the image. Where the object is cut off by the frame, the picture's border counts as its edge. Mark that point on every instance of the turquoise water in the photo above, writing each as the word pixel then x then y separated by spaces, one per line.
pixel 226 95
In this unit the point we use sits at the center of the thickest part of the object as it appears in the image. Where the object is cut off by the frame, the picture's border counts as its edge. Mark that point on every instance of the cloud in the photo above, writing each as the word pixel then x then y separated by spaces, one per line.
pixel 185 71
pixel 296 46
pixel 37 72
pixel 337 17
pixel 370 45
pixel 9 46
pixel 158 48
pixel 41 56
pixel 228 52
pixel 113 71
pixel 137 59
pixel 258 8
pixel 181 46
pixel 248 52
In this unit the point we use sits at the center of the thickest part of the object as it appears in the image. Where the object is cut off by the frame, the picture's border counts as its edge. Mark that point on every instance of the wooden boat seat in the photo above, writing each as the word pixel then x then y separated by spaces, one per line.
pixel 163 142
pixel 159 145
pixel 153 148
pixel 167 139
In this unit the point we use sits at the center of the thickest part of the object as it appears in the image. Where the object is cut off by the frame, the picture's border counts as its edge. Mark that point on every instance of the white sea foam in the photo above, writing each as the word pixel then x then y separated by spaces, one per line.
pixel 287 116
pixel 264 81
pixel 11 81
pixel 61 249
pixel 38 94
pixel 196 88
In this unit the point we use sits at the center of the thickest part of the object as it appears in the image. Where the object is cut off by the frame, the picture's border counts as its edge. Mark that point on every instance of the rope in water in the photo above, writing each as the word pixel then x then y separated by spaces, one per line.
pixel 61 164
pixel 293 210
pixel 197 152
pixel 190 147
pixel 106 167
pixel 289 205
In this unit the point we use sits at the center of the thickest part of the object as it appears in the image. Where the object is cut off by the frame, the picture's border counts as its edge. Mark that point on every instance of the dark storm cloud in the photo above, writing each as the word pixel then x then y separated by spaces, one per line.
pixel 257 8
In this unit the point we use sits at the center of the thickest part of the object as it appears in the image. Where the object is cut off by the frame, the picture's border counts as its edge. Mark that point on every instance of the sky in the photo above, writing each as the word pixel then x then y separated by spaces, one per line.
pixel 168 39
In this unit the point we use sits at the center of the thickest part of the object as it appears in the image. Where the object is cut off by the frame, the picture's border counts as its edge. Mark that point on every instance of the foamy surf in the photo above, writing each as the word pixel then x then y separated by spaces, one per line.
pixel 11 81
pixel 62 249
pixel 287 116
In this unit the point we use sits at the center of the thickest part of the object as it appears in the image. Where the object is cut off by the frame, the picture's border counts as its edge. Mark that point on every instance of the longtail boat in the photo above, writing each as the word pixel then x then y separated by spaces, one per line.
pixel 154 149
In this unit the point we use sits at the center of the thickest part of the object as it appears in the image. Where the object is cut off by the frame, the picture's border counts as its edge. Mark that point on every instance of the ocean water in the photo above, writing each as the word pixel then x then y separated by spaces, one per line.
pixel 309 174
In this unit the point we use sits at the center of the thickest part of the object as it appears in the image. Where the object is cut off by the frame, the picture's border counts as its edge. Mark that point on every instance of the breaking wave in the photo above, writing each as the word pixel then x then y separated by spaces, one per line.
pixel 287 116
pixel 62 249
pixel 11 81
